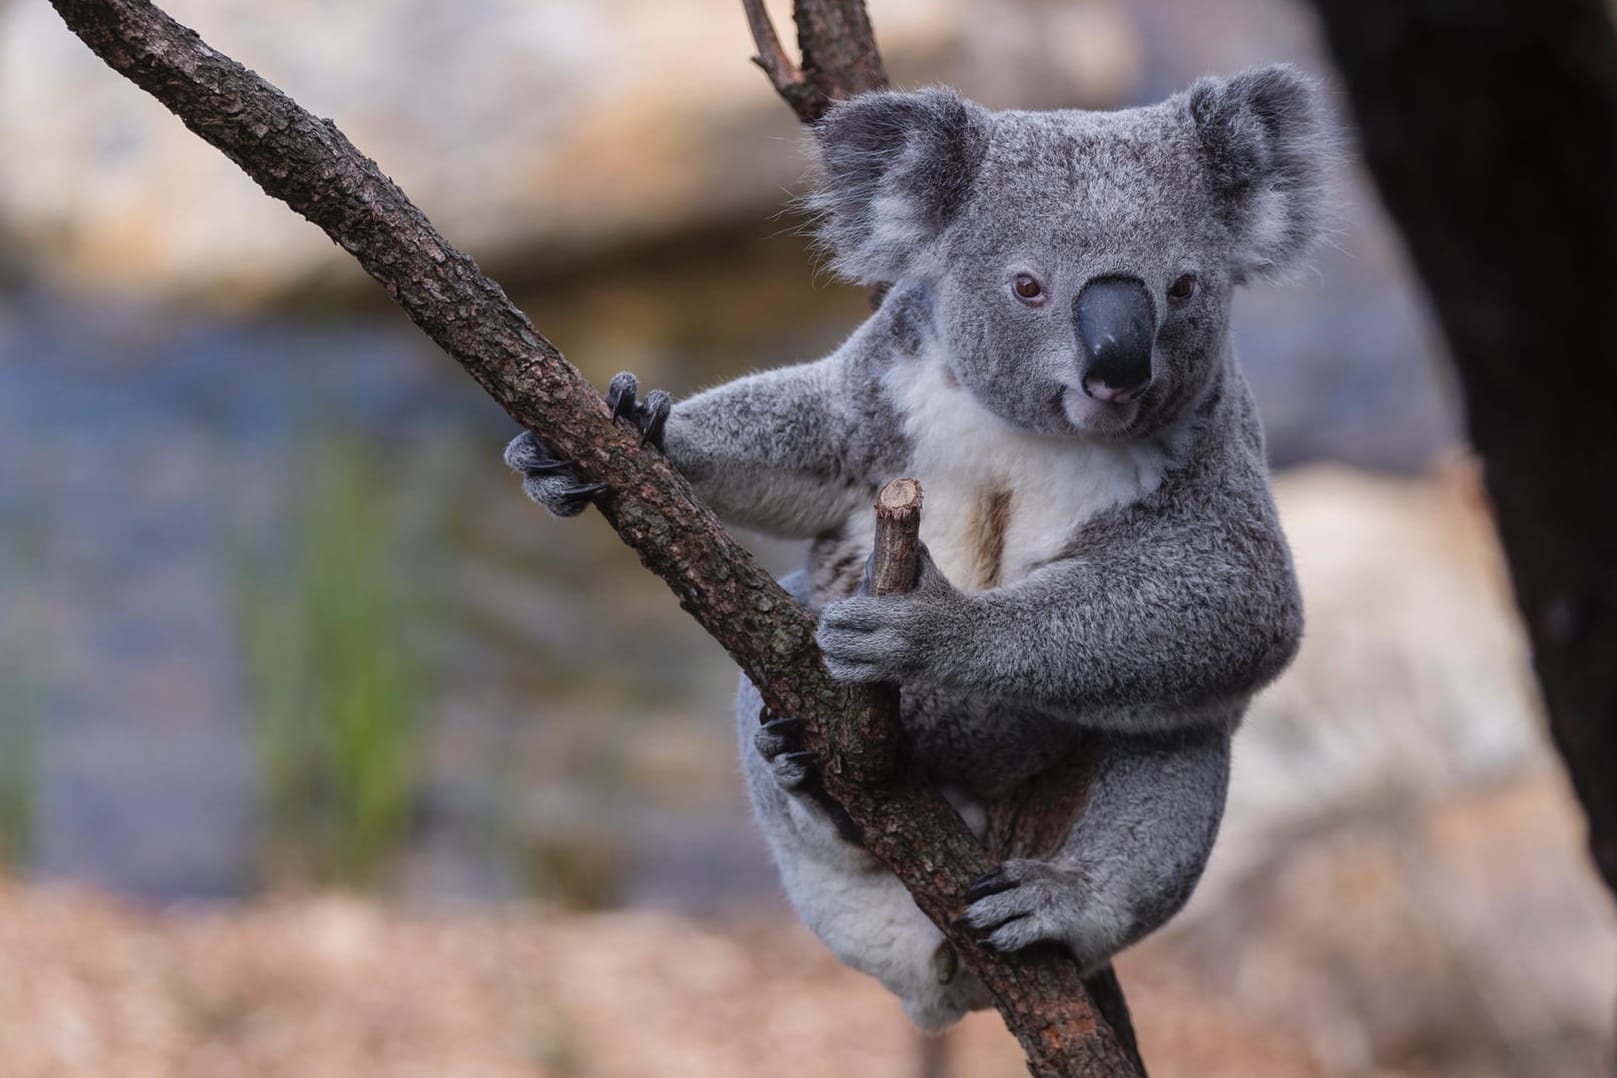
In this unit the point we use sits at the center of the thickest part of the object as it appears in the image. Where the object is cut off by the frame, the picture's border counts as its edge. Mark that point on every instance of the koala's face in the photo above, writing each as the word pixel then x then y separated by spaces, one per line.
pixel 1081 263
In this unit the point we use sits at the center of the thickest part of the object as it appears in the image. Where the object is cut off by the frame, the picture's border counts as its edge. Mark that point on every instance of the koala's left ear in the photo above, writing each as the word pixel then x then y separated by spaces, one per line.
pixel 898 168
pixel 1266 141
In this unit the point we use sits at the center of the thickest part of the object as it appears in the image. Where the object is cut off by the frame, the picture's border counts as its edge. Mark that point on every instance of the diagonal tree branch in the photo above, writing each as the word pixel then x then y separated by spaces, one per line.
pixel 311 166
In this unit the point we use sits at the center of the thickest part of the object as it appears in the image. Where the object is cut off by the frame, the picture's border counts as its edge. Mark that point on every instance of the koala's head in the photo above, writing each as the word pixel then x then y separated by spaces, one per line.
pixel 1080 263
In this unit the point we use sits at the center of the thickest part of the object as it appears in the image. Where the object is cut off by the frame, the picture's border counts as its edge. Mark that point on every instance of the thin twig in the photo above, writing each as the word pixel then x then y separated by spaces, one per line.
pixel 784 75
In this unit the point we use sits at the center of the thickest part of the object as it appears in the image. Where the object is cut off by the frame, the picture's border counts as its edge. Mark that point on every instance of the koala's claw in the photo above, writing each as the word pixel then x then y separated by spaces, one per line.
pixel 797 770
pixel 779 737
pixel 548 479
pixel 583 490
pixel 991 882
pixel 546 467
pixel 649 416
pixel 1021 903
pixel 780 743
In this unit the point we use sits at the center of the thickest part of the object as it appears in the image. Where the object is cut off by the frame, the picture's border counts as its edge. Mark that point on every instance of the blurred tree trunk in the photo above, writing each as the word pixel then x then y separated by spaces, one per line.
pixel 1491 129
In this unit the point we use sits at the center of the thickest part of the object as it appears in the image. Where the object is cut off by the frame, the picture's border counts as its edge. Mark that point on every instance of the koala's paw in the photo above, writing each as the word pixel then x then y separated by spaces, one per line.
pixel 548 480
pixel 889 637
pixel 649 416
pixel 1023 902
pixel 780 743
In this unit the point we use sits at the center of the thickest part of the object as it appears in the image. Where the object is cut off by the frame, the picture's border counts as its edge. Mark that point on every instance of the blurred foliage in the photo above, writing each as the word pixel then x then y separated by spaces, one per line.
pixel 337 680
pixel 24 685
pixel 22 700
pixel 582 867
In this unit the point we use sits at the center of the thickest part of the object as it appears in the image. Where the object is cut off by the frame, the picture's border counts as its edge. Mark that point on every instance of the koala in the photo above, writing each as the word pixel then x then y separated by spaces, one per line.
pixel 1102 559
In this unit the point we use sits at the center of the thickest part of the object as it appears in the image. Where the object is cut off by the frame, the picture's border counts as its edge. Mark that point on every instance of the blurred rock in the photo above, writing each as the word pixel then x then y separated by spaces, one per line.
pixel 527 130
pixel 1401 879
pixel 1458 936
pixel 1413 680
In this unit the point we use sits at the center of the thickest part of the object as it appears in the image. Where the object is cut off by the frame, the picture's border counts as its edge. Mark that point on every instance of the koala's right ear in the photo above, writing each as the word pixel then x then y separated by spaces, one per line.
pixel 898 168
pixel 1270 151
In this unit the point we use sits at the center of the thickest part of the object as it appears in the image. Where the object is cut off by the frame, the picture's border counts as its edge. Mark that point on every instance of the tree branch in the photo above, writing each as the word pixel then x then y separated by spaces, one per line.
pixel 840 58
pixel 787 78
pixel 312 167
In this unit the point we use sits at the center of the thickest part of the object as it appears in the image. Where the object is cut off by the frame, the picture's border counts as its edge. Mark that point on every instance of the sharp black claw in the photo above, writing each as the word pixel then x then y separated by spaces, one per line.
pixel 584 490
pixel 653 417
pixel 620 395
pixel 653 433
pixel 787 727
pixel 546 466
pixel 991 882
pixel 806 758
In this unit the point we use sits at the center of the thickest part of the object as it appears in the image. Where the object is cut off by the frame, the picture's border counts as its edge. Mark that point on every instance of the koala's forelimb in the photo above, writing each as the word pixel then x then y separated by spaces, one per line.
pixel 786 452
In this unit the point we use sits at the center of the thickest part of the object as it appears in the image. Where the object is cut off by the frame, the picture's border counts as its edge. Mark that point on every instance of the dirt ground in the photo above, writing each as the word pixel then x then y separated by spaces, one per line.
pixel 1462 938
pixel 334 986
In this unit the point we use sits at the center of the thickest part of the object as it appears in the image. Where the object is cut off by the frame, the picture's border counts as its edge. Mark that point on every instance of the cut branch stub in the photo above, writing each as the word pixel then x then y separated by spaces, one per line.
pixel 863 743
pixel 896 554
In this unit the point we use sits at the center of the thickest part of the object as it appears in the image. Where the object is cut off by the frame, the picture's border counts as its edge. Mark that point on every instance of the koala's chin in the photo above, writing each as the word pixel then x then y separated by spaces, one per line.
pixel 1106 419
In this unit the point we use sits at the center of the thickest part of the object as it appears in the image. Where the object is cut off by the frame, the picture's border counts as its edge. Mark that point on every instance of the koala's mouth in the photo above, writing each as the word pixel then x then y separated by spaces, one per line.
pixel 1087 414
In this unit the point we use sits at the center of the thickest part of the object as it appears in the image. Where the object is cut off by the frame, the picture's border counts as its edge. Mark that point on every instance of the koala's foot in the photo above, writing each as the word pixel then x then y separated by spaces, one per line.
pixel 547 479
pixel 940 1007
pixel 780 743
pixel 1024 902
pixel 649 416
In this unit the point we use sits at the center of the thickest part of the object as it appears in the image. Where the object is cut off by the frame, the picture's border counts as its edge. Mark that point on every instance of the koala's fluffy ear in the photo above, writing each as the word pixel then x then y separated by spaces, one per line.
pixel 1269 148
pixel 898 167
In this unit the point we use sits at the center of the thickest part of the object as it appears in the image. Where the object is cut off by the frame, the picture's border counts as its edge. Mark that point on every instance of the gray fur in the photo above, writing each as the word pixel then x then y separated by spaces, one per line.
pixel 1140 590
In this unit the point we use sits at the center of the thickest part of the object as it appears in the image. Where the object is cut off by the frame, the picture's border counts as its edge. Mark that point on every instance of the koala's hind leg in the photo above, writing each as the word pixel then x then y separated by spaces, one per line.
pixel 1130 862
pixel 857 908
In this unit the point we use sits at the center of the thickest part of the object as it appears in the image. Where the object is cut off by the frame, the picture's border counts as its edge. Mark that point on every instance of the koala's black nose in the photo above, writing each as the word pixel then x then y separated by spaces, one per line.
pixel 1116 326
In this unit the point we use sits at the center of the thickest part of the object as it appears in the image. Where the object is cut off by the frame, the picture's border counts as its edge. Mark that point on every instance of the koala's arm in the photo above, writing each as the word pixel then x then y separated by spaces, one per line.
pixel 1178 626
pixel 1169 615
pixel 789 452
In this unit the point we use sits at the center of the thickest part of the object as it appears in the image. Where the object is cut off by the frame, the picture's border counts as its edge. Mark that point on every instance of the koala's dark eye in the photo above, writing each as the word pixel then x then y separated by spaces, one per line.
pixel 1183 288
pixel 1028 287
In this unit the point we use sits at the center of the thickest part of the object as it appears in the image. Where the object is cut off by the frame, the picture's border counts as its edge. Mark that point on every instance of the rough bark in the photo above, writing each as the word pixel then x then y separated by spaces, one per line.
pixel 310 165
pixel 1491 130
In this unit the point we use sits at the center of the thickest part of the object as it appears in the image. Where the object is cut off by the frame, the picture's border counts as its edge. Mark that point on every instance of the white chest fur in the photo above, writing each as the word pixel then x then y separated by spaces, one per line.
pixel 1000 500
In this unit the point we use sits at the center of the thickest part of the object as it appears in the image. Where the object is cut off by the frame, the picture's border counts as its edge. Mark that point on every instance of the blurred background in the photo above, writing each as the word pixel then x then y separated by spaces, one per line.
pixel 323 751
